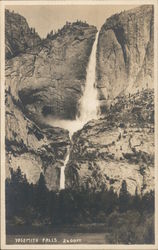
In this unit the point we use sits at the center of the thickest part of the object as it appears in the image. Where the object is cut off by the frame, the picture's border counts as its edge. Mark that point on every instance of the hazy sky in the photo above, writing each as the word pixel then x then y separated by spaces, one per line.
pixel 45 18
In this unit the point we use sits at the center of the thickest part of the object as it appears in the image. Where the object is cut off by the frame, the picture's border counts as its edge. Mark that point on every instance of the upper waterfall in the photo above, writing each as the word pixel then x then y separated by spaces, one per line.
pixel 89 104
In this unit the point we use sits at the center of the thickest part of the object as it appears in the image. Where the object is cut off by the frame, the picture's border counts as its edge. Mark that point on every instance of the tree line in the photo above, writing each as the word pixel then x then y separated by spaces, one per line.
pixel 32 202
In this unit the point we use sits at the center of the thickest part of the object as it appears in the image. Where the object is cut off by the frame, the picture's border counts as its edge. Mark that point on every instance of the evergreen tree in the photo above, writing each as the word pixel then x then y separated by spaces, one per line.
pixel 41 196
pixel 52 207
pixel 112 201
pixel 17 192
pixel 67 207
pixel 136 201
pixel 148 201
pixel 124 197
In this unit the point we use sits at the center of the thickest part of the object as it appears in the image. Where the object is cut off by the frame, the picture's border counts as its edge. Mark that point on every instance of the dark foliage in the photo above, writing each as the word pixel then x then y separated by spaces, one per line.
pixel 28 204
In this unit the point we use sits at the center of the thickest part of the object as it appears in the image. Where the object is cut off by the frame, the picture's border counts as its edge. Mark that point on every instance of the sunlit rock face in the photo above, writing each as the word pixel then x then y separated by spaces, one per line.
pixel 118 147
pixel 125 53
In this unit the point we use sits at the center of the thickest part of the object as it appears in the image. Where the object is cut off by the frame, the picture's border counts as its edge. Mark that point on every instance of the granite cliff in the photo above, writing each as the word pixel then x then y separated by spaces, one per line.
pixel 47 80
pixel 43 77
pixel 19 37
pixel 120 145
pixel 58 73
pixel 32 148
pixel 125 56
pixel 117 147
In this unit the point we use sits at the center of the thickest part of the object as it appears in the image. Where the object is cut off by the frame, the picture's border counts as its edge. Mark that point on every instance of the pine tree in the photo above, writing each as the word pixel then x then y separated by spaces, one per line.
pixel 17 192
pixel 136 201
pixel 41 196
pixel 124 197
pixel 52 206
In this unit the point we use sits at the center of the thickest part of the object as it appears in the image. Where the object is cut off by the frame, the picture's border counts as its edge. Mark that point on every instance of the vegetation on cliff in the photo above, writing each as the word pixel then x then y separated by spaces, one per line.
pixel 19 37
pixel 118 146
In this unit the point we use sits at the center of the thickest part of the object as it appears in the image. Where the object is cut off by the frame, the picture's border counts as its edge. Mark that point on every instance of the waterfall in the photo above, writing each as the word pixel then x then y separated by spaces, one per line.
pixel 89 101
pixel 62 171
pixel 88 107
pixel 88 104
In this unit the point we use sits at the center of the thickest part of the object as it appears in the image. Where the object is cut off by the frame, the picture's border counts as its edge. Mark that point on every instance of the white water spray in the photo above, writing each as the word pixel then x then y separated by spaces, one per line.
pixel 88 107
pixel 89 101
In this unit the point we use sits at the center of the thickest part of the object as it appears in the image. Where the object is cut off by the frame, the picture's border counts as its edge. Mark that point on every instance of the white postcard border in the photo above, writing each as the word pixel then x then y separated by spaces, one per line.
pixel 77 2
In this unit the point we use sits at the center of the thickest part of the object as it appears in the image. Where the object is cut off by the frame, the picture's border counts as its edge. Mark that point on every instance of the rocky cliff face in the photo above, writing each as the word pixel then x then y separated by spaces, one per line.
pixel 50 81
pixel 33 149
pixel 118 147
pixel 42 78
pixel 19 37
pixel 125 53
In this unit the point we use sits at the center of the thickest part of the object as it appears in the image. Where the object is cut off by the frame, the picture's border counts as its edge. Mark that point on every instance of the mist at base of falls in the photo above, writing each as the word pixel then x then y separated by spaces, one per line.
pixel 88 107
pixel 71 125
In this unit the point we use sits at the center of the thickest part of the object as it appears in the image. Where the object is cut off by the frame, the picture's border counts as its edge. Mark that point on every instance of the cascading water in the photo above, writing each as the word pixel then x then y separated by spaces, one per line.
pixel 62 173
pixel 89 101
pixel 88 107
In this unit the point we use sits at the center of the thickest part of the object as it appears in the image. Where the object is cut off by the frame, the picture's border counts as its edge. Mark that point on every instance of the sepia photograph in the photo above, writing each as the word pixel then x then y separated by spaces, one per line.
pixel 79 124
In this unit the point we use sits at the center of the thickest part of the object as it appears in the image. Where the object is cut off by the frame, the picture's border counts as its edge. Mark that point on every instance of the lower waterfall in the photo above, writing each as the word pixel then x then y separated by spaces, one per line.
pixel 62 171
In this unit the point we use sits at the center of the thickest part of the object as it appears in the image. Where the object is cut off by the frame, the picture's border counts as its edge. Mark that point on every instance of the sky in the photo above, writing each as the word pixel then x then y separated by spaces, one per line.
pixel 45 18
